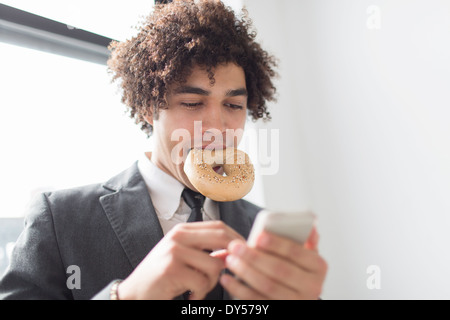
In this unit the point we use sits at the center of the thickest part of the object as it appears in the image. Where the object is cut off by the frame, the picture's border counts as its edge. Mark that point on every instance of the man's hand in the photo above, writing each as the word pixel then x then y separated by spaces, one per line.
pixel 277 268
pixel 179 263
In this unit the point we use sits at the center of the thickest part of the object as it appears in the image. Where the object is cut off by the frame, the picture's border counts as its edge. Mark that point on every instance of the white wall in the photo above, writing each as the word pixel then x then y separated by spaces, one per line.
pixel 363 115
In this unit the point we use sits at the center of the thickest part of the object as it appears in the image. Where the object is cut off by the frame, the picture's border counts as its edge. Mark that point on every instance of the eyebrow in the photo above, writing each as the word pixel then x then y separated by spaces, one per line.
pixel 191 90
pixel 201 92
pixel 237 93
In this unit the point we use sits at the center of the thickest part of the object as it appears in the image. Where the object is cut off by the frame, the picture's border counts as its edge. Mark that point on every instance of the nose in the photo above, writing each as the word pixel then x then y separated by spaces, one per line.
pixel 214 120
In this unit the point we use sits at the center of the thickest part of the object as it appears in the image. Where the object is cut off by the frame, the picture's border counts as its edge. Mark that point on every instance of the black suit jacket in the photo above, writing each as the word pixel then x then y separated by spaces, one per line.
pixel 105 230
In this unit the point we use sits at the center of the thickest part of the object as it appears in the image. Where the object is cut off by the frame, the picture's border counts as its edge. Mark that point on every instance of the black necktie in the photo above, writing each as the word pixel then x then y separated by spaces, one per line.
pixel 195 201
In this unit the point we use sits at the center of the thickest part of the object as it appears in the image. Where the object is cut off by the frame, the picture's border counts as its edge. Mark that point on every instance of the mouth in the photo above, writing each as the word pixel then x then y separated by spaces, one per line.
pixel 219 170
pixel 209 147
pixel 214 147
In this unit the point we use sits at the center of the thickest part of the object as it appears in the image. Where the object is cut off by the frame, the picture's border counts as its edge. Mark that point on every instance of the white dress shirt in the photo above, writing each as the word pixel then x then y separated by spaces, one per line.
pixel 165 192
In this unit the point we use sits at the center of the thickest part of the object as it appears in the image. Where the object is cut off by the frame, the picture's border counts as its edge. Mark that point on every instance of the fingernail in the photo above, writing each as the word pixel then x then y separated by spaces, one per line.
pixel 238 249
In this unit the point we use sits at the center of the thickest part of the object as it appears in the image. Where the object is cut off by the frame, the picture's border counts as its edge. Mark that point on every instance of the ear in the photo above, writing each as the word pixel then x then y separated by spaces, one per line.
pixel 149 119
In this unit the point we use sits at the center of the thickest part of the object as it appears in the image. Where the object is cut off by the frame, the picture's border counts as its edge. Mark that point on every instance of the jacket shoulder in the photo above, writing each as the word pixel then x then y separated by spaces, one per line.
pixel 74 197
pixel 87 197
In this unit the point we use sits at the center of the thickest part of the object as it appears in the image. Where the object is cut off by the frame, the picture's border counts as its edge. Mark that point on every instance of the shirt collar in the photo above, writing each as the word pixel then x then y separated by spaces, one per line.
pixel 165 191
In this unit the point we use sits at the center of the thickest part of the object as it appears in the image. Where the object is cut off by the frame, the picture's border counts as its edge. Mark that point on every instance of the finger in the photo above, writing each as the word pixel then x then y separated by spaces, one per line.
pixel 203 238
pixel 259 282
pixel 220 254
pixel 280 269
pixel 195 282
pixel 213 225
pixel 239 290
pixel 202 262
pixel 290 250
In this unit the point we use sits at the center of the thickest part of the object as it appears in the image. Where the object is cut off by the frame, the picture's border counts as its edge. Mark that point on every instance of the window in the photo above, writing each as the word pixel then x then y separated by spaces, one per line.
pixel 62 123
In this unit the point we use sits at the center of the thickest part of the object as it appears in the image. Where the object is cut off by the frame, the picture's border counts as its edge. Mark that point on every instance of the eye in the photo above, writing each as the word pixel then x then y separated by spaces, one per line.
pixel 234 106
pixel 191 105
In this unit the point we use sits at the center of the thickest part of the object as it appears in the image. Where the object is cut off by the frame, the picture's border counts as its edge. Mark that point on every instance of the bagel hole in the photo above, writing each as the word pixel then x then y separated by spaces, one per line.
pixel 219 170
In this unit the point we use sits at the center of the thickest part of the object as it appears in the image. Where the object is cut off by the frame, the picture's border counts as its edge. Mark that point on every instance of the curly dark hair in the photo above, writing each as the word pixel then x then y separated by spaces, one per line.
pixel 179 36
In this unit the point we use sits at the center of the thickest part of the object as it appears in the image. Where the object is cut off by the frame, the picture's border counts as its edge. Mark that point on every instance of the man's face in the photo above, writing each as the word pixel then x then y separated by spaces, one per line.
pixel 220 108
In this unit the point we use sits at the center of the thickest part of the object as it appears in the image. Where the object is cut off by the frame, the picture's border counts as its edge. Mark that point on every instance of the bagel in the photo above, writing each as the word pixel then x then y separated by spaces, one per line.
pixel 240 173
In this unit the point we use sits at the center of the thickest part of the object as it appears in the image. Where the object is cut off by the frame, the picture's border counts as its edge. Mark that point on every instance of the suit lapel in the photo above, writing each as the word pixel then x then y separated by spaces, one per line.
pixel 132 216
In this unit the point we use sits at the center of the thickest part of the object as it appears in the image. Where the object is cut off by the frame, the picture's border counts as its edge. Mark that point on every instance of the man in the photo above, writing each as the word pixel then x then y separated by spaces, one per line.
pixel 128 238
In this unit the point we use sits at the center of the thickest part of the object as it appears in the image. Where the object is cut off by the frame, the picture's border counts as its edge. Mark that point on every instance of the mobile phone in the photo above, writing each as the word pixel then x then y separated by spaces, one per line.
pixel 296 226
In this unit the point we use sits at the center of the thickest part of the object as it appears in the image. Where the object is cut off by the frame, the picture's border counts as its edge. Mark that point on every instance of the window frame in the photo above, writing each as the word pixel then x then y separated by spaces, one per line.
pixel 29 30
